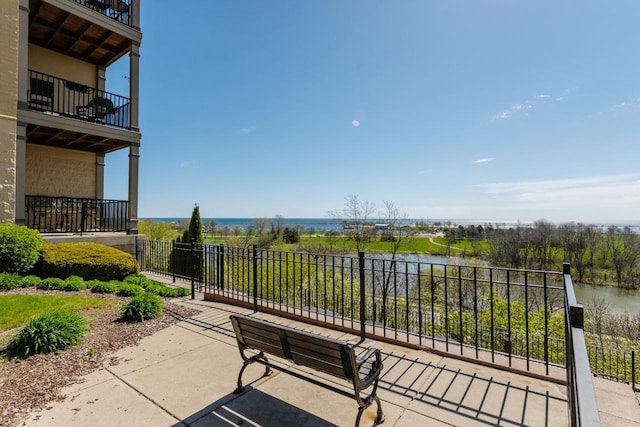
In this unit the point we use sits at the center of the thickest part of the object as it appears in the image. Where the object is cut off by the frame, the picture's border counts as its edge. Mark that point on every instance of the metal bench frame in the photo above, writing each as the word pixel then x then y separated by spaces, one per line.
pixel 324 354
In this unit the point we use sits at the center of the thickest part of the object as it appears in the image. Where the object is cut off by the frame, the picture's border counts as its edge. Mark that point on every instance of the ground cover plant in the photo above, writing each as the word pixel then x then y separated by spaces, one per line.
pixel 50 332
pixel 17 309
pixel 142 307
pixel 32 383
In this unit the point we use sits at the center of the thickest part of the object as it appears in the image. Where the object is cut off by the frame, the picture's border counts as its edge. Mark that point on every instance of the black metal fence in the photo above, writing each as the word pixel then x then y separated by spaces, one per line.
pixel 70 99
pixel 581 396
pixel 75 215
pixel 514 318
pixel 120 10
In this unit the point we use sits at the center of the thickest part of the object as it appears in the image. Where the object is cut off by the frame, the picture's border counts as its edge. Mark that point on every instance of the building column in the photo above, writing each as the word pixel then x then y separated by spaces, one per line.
pixel 100 175
pixel 102 78
pixel 134 158
pixel 21 168
pixel 23 53
pixel 134 85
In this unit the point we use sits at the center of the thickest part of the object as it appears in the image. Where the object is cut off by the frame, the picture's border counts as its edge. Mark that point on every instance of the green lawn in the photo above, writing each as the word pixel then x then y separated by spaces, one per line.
pixel 18 310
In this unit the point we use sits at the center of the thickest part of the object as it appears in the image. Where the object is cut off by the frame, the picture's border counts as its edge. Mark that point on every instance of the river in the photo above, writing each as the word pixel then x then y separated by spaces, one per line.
pixel 619 300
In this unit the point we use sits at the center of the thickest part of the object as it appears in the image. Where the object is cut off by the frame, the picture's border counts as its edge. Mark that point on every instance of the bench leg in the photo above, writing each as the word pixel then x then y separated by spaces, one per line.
pixel 240 388
pixel 379 415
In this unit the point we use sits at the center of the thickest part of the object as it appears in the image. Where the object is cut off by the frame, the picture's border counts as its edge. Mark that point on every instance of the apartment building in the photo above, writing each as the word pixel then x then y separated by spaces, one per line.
pixel 59 121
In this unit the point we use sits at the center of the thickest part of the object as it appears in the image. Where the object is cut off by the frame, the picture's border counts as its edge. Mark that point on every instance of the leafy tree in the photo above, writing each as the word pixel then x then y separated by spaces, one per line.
pixel 186 261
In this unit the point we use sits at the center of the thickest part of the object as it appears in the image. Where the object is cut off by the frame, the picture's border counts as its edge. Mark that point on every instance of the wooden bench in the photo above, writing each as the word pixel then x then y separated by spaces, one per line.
pixel 323 354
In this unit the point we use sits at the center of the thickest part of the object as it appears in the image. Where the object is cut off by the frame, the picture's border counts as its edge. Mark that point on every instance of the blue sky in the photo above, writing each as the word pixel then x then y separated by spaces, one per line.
pixel 495 110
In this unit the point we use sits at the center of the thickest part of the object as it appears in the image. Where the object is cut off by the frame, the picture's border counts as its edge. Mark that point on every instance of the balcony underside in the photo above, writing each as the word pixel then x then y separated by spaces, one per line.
pixel 64 32
pixel 74 140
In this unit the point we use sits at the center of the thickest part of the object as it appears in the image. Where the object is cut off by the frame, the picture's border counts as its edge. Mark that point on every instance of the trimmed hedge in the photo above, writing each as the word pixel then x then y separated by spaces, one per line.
pixel 87 260
pixel 19 248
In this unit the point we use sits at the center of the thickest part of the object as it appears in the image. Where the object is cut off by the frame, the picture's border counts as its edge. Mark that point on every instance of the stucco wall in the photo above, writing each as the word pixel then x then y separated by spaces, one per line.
pixel 8 107
pixel 57 172
pixel 65 67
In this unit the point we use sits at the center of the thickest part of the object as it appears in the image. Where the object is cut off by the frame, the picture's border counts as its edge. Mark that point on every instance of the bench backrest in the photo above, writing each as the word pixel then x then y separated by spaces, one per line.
pixel 302 348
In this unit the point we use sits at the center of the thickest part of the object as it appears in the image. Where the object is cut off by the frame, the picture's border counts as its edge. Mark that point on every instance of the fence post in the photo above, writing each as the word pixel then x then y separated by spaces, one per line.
pixel 363 317
pixel 633 370
pixel 173 260
pixel 193 262
pixel 221 267
pixel 255 278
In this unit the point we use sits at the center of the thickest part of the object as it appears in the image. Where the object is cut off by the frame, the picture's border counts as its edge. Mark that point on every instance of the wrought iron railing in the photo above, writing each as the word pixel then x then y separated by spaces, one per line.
pixel 66 98
pixel 583 409
pixel 120 10
pixel 75 215
pixel 513 318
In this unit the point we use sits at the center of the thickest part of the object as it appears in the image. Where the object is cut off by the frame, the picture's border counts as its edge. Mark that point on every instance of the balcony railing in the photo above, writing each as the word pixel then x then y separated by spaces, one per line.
pixel 66 98
pixel 581 396
pixel 120 10
pixel 510 318
pixel 75 215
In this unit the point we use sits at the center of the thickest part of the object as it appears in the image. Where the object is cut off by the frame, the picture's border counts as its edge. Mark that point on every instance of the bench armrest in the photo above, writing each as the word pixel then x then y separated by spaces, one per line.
pixel 369 366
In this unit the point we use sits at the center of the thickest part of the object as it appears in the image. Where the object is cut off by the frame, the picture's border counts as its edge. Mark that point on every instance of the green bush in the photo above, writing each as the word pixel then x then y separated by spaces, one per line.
pixel 129 290
pixel 155 287
pixel 101 287
pixel 74 283
pixel 29 281
pixel 19 248
pixel 9 281
pixel 142 307
pixel 87 260
pixel 52 283
pixel 48 333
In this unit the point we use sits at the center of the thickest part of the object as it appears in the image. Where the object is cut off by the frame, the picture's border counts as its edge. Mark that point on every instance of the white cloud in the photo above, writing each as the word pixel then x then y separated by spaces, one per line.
pixel 628 105
pixel 187 163
pixel 521 108
pixel 610 192
pixel 484 160
pixel 249 129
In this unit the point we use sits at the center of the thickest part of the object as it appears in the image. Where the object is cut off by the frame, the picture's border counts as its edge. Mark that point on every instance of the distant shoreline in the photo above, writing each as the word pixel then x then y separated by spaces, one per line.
pixel 330 224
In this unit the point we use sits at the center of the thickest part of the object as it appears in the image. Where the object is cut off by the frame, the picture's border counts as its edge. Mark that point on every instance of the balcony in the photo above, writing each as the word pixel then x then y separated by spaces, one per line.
pixel 75 215
pixel 119 10
pixel 100 36
pixel 70 99
pixel 64 104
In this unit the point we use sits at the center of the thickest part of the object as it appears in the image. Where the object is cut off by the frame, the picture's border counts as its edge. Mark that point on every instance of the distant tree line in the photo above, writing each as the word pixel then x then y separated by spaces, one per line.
pixel 596 255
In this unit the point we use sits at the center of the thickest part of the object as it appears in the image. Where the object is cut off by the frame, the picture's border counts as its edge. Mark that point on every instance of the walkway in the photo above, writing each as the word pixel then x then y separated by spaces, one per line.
pixel 185 375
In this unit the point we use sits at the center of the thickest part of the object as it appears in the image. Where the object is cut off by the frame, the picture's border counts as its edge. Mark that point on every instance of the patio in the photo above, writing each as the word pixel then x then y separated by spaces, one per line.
pixel 185 375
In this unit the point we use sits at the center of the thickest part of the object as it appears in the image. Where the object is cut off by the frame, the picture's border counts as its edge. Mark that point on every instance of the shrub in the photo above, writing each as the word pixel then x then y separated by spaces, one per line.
pixel 29 281
pixel 100 287
pixel 52 283
pixel 142 307
pixel 9 281
pixel 74 283
pixel 19 248
pixel 129 290
pixel 155 287
pixel 87 260
pixel 48 333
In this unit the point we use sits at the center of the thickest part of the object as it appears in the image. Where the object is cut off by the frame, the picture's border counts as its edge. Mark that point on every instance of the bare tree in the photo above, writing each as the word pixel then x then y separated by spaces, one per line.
pixel 398 230
pixel 573 240
pixel 355 217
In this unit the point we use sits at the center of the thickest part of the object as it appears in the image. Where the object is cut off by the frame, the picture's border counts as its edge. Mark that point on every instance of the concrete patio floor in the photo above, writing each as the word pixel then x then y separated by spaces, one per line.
pixel 185 376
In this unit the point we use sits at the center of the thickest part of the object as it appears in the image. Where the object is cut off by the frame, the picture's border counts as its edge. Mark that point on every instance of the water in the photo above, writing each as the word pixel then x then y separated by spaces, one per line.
pixel 619 300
